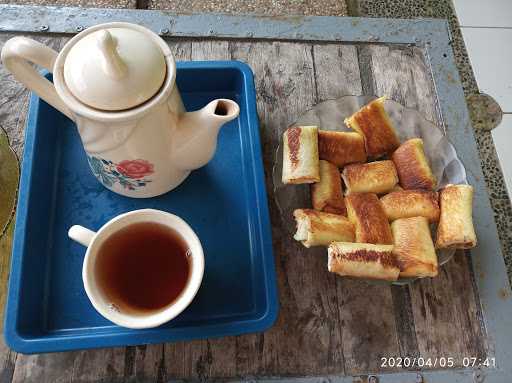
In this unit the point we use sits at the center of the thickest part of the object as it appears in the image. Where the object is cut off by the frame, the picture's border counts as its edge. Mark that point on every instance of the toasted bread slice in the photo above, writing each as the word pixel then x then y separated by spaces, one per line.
pixel 341 148
pixel 327 195
pixel 315 228
pixel 365 211
pixel 300 155
pixel 414 249
pixel 374 177
pixel 372 121
pixel 412 166
pixel 411 203
pixel 363 260
pixel 455 229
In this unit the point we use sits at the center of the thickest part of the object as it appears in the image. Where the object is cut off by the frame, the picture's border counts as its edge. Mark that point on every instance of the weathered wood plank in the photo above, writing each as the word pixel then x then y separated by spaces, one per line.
pixel 446 313
pixel 399 74
pixel 181 49
pixel 253 354
pixel 306 339
pixel 402 74
pixel 201 360
pixel 336 71
pixel 467 305
pixel 44 368
pixel 16 96
pixel 400 297
pixel 104 364
pixel 210 50
pixel 7 362
pixel 365 311
pixel 148 363
pixel 177 359
pixel 404 319
pixel 13 103
pixel 369 327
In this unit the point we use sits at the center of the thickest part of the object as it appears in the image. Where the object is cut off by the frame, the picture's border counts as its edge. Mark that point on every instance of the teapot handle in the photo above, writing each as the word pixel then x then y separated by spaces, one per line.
pixel 18 53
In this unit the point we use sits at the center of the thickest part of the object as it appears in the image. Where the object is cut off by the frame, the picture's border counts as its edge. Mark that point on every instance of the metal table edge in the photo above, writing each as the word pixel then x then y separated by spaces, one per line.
pixel 431 34
pixel 50 19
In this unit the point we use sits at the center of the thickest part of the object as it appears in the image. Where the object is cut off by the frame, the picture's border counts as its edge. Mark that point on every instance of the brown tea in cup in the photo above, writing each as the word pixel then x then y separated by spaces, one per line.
pixel 143 267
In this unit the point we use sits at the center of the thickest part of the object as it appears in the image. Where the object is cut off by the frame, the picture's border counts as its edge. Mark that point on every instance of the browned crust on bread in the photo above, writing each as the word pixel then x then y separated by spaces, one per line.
pixel 366 213
pixel 373 177
pixel 303 180
pixel 385 258
pixel 373 122
pixel 363 260
pixel 414 248
pixel 341 148
pixel 412 166
pixel 300 155
pixel 335 209
pixel 327 195
pixel 319 224
pixel 455 229
pixel 411 203
pixel 409 268
pixel 315 228
pixel 293 136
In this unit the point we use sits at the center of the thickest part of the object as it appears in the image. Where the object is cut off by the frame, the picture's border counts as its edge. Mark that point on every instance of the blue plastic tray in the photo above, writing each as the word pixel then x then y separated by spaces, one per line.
pixel 225 203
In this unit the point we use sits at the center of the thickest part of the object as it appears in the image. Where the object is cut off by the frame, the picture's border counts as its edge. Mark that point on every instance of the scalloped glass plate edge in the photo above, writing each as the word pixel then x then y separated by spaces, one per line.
pixel 329 115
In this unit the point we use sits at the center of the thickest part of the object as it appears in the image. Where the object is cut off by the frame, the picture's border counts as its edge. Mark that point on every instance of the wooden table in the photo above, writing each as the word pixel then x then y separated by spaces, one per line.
pixel 327 326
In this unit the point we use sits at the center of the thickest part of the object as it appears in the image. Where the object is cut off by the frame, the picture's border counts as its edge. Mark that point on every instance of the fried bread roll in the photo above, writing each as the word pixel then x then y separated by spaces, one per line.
pixel 412 166
pixel 414 249
pixel 341 148
pixel 371 224
pixel 373 177
pixel 327 195
pixel 455 229
pixel 315 228
pixel 300 155
pixel 411 203
pixel 374 124
pixel 363 260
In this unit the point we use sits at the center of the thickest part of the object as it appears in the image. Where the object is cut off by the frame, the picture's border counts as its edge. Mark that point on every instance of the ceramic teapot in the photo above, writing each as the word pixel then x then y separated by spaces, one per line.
pixel 116 81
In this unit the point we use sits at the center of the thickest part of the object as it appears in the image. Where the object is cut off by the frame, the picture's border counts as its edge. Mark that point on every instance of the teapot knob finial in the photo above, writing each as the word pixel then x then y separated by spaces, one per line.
pixel 113 65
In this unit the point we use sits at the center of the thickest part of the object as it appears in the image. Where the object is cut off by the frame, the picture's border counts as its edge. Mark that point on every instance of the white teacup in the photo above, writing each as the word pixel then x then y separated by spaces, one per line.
pixel 93 241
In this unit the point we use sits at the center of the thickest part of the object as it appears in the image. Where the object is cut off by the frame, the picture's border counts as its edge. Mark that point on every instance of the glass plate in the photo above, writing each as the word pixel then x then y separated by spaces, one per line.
pixel 409 123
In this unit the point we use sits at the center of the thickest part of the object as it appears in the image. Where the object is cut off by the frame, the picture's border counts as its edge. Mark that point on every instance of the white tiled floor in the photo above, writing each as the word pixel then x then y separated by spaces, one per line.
pixel 484 13
pixel 487 30
pixel 490 53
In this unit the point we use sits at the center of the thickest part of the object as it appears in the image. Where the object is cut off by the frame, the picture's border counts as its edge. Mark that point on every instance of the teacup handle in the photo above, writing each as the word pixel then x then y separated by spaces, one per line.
pixel 18 53
pixel 81 235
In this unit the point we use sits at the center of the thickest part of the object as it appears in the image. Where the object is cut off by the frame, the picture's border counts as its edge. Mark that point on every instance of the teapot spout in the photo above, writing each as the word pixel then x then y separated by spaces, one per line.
pixel 195 139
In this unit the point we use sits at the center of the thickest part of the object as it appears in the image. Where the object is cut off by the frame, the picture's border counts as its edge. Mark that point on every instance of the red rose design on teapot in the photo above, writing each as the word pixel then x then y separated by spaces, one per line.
pixel 135 168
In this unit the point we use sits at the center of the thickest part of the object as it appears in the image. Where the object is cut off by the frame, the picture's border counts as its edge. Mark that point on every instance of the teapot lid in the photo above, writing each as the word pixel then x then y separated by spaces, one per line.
pixel 115 69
